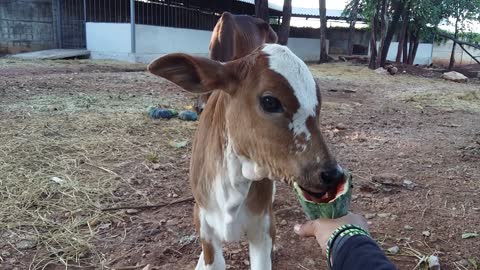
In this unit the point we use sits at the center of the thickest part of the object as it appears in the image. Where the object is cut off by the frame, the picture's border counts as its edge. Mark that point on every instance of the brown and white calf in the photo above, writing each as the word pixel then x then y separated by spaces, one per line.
pixel 235 36
pixel 263 126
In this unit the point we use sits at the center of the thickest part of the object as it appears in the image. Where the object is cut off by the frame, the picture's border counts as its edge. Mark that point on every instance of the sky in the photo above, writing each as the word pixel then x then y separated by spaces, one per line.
pixel 331 4
pixel 340 5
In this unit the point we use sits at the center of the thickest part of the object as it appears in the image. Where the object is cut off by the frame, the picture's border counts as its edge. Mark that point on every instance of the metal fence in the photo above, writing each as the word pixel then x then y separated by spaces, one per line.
pixel 71 24
pixel 179 14
pixel 72 15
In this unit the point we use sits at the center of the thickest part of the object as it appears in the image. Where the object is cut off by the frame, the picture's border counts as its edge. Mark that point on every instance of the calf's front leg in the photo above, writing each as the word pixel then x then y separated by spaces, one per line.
pixel 261 235
pixel 211 257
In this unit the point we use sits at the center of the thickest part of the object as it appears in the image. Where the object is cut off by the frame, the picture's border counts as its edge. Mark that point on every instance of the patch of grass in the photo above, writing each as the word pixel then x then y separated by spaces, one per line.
pixel 152 157
pixel 470 96
pixel 81 102
pixel 345 71
pixel 467 101
pixel 343 108
pixel 59 215
pixel 7 62
pixel 57 170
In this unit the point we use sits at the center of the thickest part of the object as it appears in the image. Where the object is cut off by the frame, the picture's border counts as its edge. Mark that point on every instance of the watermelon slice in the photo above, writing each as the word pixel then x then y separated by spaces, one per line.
pixel 329 204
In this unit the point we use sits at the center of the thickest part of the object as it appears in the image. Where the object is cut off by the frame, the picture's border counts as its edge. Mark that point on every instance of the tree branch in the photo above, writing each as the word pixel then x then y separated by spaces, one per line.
pixel 189 199
pixel 459 41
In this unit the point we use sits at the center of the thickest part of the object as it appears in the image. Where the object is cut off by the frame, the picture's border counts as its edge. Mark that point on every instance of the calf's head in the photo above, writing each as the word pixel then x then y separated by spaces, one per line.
pixel 272 117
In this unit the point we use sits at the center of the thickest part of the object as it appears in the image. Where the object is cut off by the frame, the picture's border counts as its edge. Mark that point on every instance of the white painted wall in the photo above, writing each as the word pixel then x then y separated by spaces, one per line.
pixel 423 56
pixel 308 49
pixel 153 41
pixel 112 41
pixel 109 40
pixel 443 51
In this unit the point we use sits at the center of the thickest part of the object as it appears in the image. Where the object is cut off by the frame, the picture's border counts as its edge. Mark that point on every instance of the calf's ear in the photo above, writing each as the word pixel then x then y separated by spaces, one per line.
pixel 195 74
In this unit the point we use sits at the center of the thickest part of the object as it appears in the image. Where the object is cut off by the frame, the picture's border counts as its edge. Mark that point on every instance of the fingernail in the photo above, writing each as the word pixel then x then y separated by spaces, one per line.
pixel 297 227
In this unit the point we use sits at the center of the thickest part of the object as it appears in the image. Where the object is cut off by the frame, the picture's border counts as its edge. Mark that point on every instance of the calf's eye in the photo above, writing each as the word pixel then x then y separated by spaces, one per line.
pixel 271 104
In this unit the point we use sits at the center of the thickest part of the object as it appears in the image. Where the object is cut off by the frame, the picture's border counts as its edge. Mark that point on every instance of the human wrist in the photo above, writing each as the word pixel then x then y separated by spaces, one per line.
pixel 339 237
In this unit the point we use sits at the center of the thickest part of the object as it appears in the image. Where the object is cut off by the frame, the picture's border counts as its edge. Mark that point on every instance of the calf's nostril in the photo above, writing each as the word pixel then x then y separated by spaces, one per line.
pixel 333 176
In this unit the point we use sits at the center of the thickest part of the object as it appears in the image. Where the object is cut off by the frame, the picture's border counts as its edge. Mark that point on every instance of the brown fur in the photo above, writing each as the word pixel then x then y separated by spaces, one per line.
pixel 261 137
pixel 208 252
pixel 256 135
pixel 233 37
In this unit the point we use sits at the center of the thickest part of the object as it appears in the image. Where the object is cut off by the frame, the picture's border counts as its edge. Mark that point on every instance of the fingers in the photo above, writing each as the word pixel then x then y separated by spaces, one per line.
pixel 358 220
pixel 308 229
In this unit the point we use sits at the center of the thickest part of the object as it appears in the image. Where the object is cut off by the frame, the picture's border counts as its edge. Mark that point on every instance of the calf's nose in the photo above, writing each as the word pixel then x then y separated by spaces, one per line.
pixel 333 176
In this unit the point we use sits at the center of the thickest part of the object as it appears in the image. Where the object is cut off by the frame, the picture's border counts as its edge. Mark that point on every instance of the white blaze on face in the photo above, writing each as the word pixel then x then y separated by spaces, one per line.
pixel 294 70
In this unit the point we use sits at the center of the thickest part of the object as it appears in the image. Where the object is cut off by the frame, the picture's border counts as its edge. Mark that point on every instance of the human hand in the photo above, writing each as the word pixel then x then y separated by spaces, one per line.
pixel 322 228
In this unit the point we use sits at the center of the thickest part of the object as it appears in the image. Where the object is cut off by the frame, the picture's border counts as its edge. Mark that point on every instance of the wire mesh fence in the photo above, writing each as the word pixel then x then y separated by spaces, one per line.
pixel 71 24
pixel 178 14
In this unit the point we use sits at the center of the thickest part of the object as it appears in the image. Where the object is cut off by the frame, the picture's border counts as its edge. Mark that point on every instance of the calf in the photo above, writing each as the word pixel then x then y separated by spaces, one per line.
pixel 235 36
pixel 262 126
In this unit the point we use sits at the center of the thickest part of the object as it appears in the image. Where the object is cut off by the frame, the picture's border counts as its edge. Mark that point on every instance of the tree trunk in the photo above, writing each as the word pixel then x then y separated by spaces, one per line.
pixel 323 32
pixel 284 30
pixel 414 51
pixel 353 21
pixel 373 41
pixel 411 48
pixel 452 57
pixel 402 35
pixel 383 31
pixel 261 9
pixel 405 47
pixel 399 7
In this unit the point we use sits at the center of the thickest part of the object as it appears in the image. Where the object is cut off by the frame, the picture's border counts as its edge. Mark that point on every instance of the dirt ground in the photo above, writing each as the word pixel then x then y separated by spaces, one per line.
pixel 75 139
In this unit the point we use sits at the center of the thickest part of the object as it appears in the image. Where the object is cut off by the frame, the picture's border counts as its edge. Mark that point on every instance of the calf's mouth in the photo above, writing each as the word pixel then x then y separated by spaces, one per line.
pixel 324 195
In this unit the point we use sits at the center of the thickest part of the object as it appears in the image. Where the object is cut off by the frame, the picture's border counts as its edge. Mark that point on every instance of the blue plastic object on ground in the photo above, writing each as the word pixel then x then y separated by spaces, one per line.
pixel 188 115
pixel 157 113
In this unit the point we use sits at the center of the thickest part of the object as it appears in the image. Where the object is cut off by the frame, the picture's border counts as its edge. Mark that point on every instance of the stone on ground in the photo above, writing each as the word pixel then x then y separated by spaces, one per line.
pixel 454 76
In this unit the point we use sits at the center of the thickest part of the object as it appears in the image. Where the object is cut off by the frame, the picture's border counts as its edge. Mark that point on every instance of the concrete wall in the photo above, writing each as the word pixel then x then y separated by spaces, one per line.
pixel 27 25
pixel 423 56
pixel 308 49
pixel 443 51
pixel 153 41
pixel 438 54
pixel 339 40
pixel 112 41
pixel 109 41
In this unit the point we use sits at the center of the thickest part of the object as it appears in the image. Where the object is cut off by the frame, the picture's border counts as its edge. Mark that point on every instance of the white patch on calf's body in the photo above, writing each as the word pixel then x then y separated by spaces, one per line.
pixel 295 71
pixel 251 170
pixel 227 217
pixel 260 243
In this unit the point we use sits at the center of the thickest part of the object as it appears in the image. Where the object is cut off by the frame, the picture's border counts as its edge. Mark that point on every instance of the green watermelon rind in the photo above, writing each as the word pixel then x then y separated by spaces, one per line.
pixel 339 207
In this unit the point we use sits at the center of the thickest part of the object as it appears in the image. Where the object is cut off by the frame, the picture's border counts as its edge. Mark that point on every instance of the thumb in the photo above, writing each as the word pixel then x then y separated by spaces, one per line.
pixel 308 229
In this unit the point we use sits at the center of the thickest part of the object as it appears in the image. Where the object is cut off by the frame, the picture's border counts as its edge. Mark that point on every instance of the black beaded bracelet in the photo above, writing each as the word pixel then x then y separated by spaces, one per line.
pixel 339 237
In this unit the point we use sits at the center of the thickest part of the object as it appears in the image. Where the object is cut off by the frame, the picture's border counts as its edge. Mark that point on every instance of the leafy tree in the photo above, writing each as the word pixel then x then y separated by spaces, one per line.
pixel 471 37
pixel 419 20
pixel 397 9
pixel 460 11
pixel 352 19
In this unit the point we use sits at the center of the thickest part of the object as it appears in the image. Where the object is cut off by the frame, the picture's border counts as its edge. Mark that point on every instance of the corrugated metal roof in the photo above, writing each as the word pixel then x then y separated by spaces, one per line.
pixel 332 13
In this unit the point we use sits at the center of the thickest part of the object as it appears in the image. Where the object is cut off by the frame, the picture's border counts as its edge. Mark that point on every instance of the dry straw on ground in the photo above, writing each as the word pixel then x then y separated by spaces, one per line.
pixel 59 168
pixel 53 185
